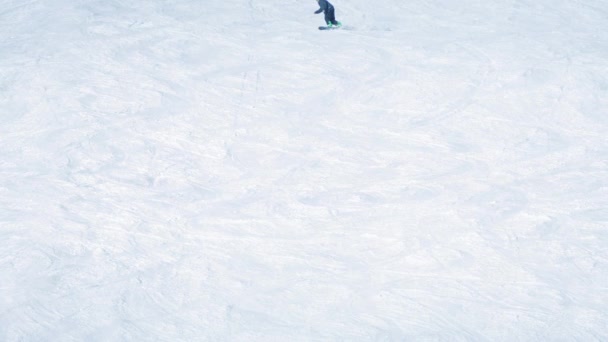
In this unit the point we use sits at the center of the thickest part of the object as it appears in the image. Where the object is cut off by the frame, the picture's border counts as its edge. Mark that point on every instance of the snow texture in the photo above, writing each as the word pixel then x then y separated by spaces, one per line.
pixel 223 171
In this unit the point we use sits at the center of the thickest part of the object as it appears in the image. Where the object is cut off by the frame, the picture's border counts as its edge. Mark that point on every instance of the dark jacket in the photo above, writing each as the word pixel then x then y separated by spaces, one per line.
pixel 324 6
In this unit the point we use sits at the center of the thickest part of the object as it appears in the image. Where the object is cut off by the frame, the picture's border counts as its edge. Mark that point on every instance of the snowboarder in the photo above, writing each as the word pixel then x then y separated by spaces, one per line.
pixel 328 9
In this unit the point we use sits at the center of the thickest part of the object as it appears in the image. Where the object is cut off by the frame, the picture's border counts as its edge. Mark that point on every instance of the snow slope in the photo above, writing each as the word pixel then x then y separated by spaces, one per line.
pixel 223 171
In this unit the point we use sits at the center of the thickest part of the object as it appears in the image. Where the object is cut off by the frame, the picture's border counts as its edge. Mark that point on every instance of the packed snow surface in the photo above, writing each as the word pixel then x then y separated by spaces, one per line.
pixel 223 171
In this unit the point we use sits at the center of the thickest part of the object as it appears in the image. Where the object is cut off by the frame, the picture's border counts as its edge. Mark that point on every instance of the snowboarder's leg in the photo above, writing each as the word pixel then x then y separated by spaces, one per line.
pixel 330 17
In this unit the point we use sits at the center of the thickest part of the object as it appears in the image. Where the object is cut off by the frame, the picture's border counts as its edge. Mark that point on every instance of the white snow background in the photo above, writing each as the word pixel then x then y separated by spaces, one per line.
pixel 223 171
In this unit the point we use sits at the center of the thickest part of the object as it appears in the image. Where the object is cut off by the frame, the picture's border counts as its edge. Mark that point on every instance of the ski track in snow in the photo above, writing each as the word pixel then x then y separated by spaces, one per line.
pixel 224 171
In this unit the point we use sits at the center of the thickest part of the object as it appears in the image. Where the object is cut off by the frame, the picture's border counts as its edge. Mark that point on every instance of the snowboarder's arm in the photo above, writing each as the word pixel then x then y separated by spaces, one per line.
pixel 322 6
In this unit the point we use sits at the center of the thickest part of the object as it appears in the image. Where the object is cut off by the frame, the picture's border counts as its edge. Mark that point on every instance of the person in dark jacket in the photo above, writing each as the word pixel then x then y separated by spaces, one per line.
pixel 328 9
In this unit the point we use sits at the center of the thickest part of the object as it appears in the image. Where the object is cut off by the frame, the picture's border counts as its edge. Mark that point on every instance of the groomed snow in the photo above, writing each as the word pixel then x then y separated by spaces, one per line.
pixel 223 171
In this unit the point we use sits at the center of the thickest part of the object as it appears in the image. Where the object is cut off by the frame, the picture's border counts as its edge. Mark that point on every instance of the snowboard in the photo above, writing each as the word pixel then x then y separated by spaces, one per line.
pixel 323 28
